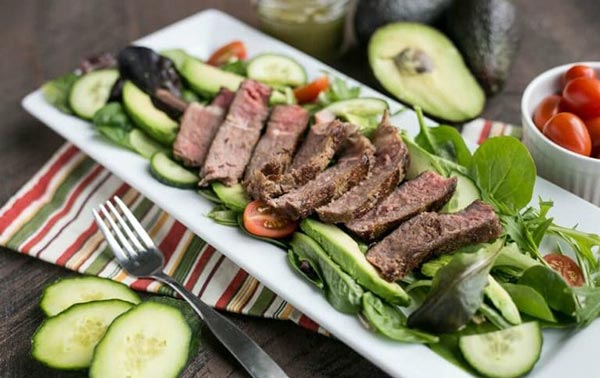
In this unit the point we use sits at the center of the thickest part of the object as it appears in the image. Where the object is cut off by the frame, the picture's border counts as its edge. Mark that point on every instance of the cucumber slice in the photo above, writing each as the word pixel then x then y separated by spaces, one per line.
pixel 511 352
pixel 207 80
pixel 67 340
pixel 147 117
pixel 466 192
pixel 151 340
pixel 143 144
pixel 66 292
pixel 234 197
pixel 275 69
pixel 91 91
pixel 168 171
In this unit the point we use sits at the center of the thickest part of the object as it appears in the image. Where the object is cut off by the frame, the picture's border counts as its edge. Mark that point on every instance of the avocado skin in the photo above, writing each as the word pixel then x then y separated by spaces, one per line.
pixel 487 32
pixel 371 14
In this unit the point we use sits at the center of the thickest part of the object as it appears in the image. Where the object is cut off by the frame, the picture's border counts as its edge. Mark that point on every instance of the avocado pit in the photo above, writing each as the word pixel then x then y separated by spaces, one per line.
pixel 413 61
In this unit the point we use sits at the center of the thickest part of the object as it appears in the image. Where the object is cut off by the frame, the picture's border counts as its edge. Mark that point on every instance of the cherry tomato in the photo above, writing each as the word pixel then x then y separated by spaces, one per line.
pixel 582 96
pixel 260 220
pixel 310 91
pixel 566 267
pixel 568 131
pixel 578 70
pixel 224 54
pixel 549 107
pixel 593 126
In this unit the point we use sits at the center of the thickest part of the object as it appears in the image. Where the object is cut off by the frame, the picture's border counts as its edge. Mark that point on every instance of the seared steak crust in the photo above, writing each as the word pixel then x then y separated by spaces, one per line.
pixel 199 125
pixel 232 147
pixel 427 192
pixel 276 147
pixel 351 168
pixel 430 234
pixel 391 161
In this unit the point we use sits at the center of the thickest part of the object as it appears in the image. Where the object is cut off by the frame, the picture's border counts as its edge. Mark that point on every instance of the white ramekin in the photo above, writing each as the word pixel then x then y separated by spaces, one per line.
pixel 576 173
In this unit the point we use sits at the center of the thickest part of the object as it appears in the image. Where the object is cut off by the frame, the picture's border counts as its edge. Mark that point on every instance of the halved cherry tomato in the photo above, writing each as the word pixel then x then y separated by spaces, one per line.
pixel 261 220
pixel 593 126
pixel 568 131
pixel 582 96
pixel 310 91
pixel 578 70
pixel 566 267
pixel 224 54
pixel 549 107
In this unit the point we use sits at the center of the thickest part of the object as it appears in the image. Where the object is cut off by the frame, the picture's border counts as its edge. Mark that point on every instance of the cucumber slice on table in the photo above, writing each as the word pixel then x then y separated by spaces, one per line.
pixel 274 69
pixel 143 144
pixel 91 91
pixel 67 340
pixel 511 352
pixel 151 340
pixel 169 172
pixel 64 293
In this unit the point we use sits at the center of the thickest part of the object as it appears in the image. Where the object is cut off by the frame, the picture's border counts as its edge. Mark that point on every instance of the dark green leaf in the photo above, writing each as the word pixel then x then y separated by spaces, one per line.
pixel 56 91
pixel 118 136
pixel 237 67
pixel 224 216
pixel 210 195
pixel 391 322
pixel 552 287
pixel 457 291
pixel 505 172
pixel 113 123
pixel 306 268
pixel 529 301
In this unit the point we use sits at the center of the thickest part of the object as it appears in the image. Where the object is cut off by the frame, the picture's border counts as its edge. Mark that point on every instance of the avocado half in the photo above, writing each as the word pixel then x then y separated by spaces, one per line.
pixel 420 66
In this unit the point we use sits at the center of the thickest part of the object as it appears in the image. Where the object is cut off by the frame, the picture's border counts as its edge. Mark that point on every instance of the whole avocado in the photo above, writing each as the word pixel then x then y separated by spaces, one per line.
pixel 371 14
pixel 487 32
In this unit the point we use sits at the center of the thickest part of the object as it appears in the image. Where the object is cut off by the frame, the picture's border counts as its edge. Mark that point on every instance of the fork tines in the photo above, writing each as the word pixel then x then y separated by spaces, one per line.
pixel 123 232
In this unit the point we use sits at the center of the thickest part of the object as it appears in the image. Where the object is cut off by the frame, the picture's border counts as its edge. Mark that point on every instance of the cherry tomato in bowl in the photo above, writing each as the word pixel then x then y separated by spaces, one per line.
pixel 593 126
pixel 582 96
pixel 548 108
pixel 568 131
pixel 578 70
pixel 260 220
pixel 566 267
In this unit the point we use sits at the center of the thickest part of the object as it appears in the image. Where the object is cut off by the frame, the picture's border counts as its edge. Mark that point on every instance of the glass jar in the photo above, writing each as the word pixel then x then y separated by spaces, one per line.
pixel 313 26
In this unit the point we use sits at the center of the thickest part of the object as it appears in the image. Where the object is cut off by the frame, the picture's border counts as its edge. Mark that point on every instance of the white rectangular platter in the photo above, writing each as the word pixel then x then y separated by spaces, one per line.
pixel 564 353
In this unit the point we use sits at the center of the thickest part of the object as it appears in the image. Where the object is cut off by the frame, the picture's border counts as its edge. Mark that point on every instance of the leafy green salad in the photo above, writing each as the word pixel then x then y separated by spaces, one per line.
pixel 481 307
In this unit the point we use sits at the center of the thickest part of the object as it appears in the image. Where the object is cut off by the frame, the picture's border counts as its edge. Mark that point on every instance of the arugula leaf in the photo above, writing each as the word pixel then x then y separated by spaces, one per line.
pixel 457 291
pixel 443 141
pixel 591 304
pixel 56 91
pixel 113 123
pixel 552 287
pixel 504 172
pixel 391 322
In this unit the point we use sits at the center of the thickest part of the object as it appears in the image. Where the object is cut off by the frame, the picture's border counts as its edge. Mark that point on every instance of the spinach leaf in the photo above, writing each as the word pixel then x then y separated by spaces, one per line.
pixel 457 291
pixel 443 141
pixel 307 268
pixel 504 172
pixel 591 304
pixel 552 287
pixel 529 301
pixel 340 289
pixel 210 195
pixel 56 91
pixel 224 216
pixel 391 322
pixel 114 124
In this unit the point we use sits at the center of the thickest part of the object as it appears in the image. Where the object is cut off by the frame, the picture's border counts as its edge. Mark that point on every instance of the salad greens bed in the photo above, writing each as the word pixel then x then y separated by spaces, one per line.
pixel 480 307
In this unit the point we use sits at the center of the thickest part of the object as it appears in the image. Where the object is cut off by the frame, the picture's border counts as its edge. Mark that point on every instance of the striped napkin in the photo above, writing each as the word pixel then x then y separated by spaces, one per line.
pixel 50 218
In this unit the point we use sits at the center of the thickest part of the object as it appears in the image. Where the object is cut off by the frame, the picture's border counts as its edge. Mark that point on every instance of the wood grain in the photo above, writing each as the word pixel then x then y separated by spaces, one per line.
pixel 42 39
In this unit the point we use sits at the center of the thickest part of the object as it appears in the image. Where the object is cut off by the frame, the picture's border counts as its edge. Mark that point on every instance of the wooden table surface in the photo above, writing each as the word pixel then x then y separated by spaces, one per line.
pixel 42 39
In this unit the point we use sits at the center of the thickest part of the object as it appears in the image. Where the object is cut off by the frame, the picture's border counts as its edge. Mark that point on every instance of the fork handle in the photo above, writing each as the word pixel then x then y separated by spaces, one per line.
pixel 249 354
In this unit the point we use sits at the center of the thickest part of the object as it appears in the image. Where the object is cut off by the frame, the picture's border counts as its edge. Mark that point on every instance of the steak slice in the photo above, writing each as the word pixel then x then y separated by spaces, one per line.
pixel 323 141
pixel 276 147
pixel 351 168
pixel 199 125
pixel 426 192
pixel 430 234
pixel 232 147
pixel 391 160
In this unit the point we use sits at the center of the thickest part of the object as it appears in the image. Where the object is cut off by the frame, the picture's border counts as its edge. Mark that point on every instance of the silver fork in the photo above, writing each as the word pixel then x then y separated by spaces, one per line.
pixel 136 252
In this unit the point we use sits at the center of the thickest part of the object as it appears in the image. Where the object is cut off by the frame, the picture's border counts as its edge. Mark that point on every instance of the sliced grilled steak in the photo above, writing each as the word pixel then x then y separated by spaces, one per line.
pixel 430 234
pixel 391 160
pixel 323 141
pixel 276 147
pixel 351 168
pixel 232 147
pixel 427 192
pixel 199 125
